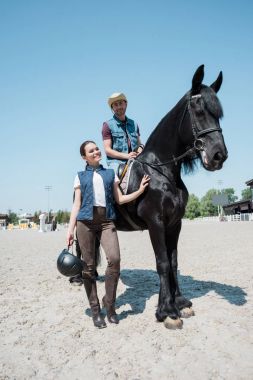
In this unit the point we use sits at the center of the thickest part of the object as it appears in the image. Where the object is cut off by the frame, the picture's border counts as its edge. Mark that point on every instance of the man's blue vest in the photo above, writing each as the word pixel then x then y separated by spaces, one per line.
pixel 86 182
pixel 121 132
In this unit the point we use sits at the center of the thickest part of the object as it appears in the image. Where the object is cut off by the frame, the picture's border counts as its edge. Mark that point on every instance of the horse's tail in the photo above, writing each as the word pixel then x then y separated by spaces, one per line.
pixel 78 249
pixel 97 253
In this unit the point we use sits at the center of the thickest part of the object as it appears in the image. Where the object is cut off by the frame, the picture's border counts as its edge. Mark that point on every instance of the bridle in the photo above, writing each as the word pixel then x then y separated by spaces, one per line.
pixel 198 143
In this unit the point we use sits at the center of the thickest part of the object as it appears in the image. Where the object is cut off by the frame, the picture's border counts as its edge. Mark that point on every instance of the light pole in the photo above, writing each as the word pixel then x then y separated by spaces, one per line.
pixel 220 182
pixel 48 188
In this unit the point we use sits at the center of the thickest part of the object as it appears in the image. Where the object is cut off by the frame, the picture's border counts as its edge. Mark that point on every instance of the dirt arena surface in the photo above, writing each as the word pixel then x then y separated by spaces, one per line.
pixel 47 332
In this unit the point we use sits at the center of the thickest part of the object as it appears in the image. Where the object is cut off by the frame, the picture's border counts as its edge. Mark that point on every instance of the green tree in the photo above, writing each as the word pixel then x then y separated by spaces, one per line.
pixel 62 216
pixel 59 216
pixel 13 218
pixel 246 194
pixel 230 192
pixel 206 205
pixel 36 217
pixel 66 216
pixel 193 207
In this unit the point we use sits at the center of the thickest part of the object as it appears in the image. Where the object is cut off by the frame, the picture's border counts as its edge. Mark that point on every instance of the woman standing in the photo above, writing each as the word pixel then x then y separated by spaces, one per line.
pixel 92 214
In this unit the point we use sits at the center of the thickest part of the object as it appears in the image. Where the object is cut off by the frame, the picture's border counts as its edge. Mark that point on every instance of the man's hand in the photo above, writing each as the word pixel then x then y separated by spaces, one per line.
pixel 140 149
pixel 132 155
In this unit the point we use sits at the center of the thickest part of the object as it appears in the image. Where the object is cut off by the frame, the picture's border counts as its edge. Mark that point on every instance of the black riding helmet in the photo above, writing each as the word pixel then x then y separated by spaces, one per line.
pixel 68 264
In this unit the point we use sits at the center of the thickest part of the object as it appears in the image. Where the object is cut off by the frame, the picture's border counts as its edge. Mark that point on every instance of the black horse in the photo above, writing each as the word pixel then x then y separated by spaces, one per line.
pixel 190 132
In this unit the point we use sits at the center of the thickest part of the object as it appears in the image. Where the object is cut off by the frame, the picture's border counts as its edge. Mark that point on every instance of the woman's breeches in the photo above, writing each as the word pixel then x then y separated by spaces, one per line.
pixel 104 230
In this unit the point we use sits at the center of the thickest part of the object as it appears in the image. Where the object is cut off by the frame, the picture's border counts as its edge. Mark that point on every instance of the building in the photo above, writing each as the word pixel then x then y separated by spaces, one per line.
pixel 250 183
pixel 240 207
pixel 4 220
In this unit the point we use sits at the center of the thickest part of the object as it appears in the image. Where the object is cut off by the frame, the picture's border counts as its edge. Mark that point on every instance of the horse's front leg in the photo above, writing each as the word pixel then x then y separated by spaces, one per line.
pixel 182 303
pixel 167 310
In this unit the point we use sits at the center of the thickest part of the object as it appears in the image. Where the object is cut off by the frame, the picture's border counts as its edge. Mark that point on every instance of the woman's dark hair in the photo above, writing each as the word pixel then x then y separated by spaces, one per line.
pixel 82 147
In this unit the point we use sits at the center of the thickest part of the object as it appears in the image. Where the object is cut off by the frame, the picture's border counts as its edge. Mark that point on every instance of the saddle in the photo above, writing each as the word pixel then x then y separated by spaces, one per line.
pixel 122 169
pixel 123 173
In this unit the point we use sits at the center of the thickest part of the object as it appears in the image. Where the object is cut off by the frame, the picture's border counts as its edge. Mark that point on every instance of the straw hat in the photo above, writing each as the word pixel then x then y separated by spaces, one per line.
pixel 115 97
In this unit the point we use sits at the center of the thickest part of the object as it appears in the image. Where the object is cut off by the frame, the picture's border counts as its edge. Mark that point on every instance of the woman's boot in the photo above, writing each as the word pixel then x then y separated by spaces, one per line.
pixel 111 282
pixel 91 291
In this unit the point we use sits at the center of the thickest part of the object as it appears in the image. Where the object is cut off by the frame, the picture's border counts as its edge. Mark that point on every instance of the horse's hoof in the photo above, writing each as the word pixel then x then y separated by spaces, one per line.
pixel 173 324
pixel 187 312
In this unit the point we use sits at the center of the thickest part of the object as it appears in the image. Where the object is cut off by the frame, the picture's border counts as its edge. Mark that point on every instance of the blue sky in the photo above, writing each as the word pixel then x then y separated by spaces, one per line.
pixel 61 59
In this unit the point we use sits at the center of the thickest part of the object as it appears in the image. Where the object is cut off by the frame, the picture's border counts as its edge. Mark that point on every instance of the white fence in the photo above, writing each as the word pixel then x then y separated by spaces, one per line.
pixel 226 218
pixel 239 217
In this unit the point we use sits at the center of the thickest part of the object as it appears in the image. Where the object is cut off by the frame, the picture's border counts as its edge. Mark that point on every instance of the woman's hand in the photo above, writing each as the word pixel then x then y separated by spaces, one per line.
pixel 125 198
pixel 144 182
pixel 74 212
pixel 70 239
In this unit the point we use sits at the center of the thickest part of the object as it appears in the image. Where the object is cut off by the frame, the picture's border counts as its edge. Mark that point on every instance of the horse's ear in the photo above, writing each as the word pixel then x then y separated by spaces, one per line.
pixel 216 85
pixel 197 80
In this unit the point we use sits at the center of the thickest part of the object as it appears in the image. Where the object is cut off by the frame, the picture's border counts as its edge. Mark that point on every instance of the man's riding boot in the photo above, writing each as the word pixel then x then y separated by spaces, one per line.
pixel 111 282
pixel 91 291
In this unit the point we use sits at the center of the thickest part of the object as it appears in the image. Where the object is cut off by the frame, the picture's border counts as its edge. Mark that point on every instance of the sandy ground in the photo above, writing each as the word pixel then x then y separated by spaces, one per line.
pixel 47 333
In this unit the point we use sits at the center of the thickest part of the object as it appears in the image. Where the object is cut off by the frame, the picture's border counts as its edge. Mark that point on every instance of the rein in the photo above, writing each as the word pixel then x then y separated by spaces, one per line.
pixel 198 144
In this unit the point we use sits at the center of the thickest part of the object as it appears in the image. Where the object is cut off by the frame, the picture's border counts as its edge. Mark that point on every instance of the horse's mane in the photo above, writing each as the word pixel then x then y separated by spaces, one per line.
pixel 190 164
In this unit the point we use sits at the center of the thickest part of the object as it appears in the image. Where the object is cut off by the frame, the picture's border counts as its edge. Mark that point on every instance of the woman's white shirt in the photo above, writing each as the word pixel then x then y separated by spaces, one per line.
pixel 98 188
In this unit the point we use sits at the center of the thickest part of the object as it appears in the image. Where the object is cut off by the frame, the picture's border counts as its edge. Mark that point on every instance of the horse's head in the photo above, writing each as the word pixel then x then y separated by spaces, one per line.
pixel 205 112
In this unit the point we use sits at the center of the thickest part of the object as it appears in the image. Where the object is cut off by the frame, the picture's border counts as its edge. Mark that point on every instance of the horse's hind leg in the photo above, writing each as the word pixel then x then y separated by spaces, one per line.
pixel 78 278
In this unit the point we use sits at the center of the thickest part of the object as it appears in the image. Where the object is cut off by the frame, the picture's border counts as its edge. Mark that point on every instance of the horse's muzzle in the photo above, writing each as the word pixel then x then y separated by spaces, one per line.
pixel 217 160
